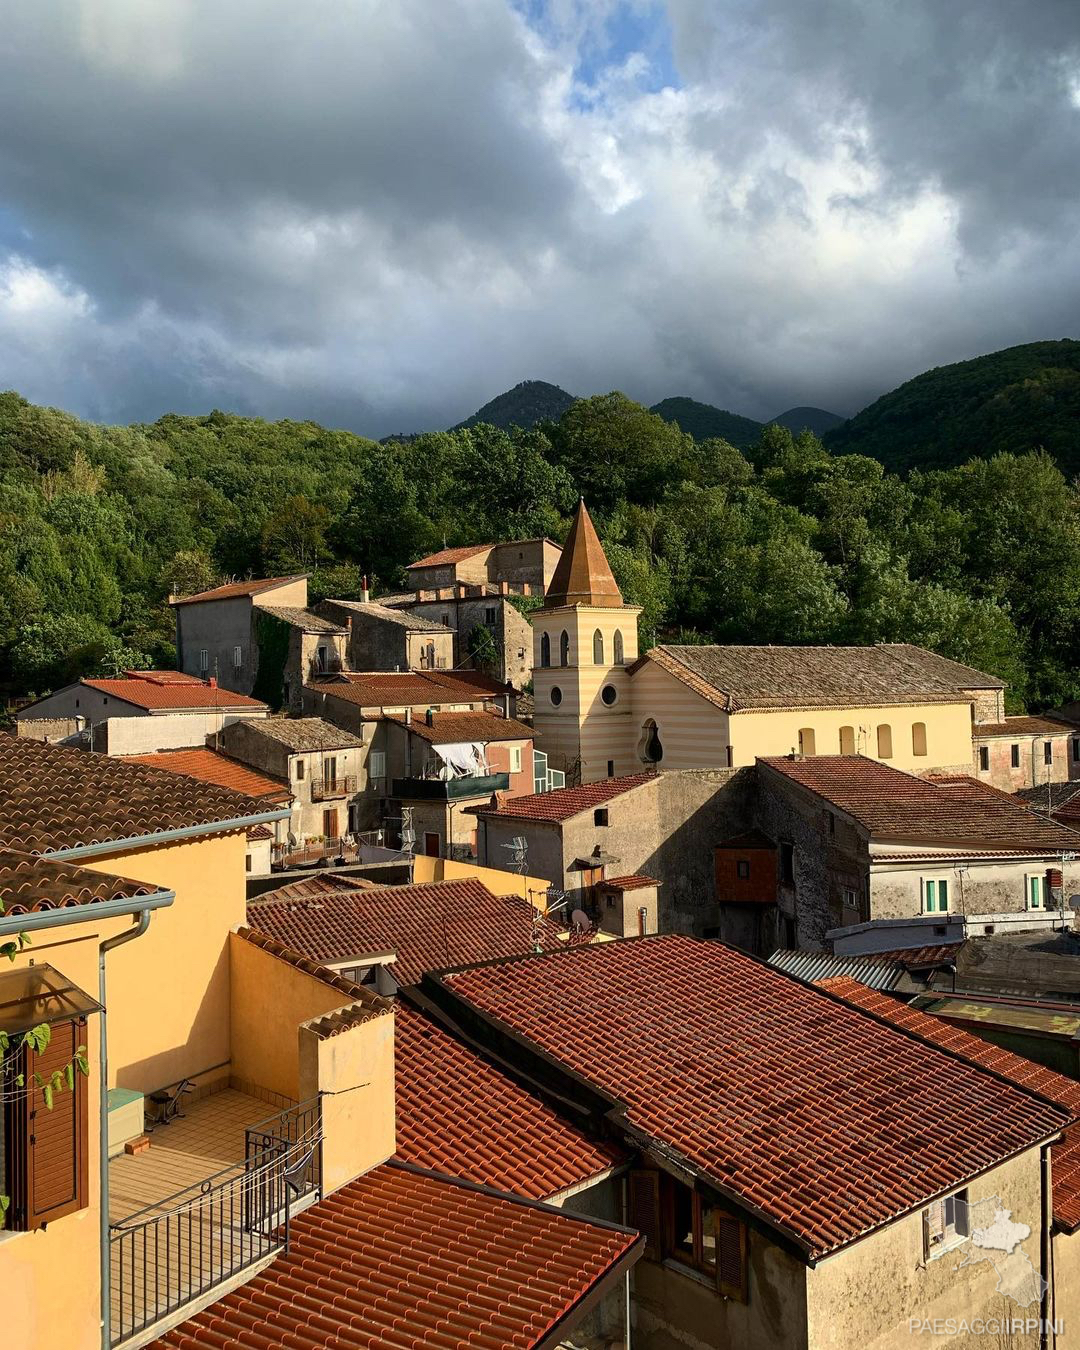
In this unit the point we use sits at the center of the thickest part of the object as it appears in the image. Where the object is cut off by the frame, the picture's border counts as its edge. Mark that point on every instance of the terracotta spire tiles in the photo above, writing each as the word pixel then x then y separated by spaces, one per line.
pixel 582 576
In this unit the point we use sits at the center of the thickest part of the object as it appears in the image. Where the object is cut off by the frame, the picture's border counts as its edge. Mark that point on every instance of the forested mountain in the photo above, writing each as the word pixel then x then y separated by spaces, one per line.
pixel 816 420
pixel 527 403
pixel 1020 399
pixel 783 543
pixel 704 422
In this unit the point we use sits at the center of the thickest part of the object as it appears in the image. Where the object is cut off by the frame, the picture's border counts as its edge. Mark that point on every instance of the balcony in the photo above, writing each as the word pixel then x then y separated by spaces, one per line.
pixel 450 789
pixel 208 1200
pixel 323 789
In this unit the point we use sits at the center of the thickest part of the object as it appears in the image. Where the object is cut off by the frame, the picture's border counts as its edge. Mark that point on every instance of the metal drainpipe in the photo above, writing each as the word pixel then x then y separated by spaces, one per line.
pixel 1048 1302
pixel 137 929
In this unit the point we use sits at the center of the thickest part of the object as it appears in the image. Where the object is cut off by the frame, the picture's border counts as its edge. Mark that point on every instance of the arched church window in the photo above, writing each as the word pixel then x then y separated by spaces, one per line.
pixel 650 749
pixel 598 648
pixel 545 649
pixel 619 657
pixel 564 648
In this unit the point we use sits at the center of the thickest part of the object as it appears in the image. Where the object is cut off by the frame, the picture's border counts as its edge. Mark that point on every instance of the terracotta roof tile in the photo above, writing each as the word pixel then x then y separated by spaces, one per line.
pixel 448 728
pixel 55 798
pixel 630 883
pixel 401 1259
pixel 430 926
pixel 28 884
pixel 1023 726
pixel 303 733
pixel 232 590
pixel 208 766
pixel 446 556
pixel 1065 1092
pixel 143 690
pixel 259 833
pixel 403 618
pixel 304 619
pixel 563 803
pixel 895 805
pixel 734 678
pixel 457 1113
pixel 412 688
pixel 774 1091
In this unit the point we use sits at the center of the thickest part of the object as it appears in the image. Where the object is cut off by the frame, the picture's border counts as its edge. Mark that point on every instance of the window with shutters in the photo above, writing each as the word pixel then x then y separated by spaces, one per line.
pixel 696 1232
pixel 45 1149
pixel 945 1224
pixel 1036 891
pixel 935 895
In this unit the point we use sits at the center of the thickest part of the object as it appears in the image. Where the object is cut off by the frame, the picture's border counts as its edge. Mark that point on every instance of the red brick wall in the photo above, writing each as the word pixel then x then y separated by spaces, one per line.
pixel 761 883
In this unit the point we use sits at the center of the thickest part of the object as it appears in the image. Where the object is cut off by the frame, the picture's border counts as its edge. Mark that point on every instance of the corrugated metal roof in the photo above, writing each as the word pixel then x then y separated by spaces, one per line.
pixel 815 966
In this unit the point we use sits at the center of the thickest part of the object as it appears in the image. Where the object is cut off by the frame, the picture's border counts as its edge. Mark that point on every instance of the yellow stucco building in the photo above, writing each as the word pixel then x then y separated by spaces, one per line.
pixel 602 711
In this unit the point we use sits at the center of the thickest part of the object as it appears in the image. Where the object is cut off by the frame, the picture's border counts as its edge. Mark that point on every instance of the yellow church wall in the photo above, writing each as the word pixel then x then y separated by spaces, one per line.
pixel 947 726
pixel 692 731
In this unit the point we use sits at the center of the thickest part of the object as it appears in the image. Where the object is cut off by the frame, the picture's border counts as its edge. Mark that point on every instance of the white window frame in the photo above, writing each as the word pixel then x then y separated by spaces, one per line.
pixel 946 1224
pixel 204 660
pixel 238 657
pixel 924 891
pixel 377 764
pixel 1044 892
pixel 515 759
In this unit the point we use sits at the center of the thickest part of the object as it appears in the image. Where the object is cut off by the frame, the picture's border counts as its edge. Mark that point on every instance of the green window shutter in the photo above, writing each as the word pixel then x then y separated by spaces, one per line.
pixel 931 896
pixel 943 896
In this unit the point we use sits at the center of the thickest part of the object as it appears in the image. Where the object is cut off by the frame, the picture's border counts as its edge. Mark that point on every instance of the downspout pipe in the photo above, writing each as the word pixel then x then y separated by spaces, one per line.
pixel 1048 1303
pixel 137 929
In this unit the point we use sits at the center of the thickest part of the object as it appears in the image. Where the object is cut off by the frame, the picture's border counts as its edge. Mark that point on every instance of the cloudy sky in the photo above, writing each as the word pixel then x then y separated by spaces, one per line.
pixel 379 213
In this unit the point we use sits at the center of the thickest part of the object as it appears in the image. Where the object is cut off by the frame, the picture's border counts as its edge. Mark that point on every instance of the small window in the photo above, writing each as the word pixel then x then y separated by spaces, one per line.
pixel 620 658
pixel 545 649
pixel 564 648
pixel 742 869
pixel 684 1226
pixel 650 747
pixel 1035 890
pixel 299 770
pixel 1048 752
pixel 787 864
pixel 830 821
pixel 515 759
pixel 806 741
pixel 490 615
pixel 848 897
pixel 611 768
pixel 377 764
pixel 555 696
pixel 609 695
pixel 598 648
pixel 238 657
pixel 1014 754
pixel 945 1223
pixel 984 757
pixel 1075 749
pixel 729 757
pixel 445 620
pixel 600 816
pixel 847 740
pixel 918 738
pixel 77 704
pixel 935 896
pixel 204 660
pixel 247 862
pixel 884 741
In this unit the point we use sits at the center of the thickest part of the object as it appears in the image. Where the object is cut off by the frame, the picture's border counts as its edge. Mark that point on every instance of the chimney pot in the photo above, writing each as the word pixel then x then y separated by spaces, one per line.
pixel 365 594
pixel 408 717
pixel 212 681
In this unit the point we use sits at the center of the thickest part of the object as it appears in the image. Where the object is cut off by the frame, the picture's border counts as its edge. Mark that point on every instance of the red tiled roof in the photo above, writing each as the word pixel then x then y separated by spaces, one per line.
pixel 211 767
pixel 28 884
pixel 410 688
pixel 1023 726
pixel 431 926
pixel 582 575
pixel 1065 1092
pixel 360 1004
pixel 259 833
pixel 143 691
pixel 772 1090
pixel 448 728
pixel 563 803
pixel 895 805
pixel 232 590
pixel 408 1259
pixel 913 957
pixel 457 1113
pixel 56 798
pixel 446 556
pixel 630 883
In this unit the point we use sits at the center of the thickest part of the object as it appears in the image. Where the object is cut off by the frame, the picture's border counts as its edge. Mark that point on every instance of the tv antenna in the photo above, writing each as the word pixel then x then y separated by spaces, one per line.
pixel 519 854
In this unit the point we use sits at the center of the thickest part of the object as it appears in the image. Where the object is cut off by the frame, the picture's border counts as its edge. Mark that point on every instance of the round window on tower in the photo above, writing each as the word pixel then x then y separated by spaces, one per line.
pixel 556 696
pixel 609 694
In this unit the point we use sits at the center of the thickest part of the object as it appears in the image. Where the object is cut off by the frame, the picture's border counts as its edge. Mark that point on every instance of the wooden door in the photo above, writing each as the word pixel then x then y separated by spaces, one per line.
pixel 330 823
pixel 431 845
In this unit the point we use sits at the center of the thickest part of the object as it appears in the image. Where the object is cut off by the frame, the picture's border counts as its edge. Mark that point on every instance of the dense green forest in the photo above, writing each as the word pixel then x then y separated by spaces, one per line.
pixel 783 543
pixel 704 422
pixel 1022 398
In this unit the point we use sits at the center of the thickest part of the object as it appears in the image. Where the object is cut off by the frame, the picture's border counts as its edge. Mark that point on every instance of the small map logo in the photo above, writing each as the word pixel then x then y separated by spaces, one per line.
pixel 995 1236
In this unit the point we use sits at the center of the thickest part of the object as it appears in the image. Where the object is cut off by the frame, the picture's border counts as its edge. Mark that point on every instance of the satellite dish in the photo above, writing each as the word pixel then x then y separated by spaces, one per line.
pixel 579 920
pixel 1074 901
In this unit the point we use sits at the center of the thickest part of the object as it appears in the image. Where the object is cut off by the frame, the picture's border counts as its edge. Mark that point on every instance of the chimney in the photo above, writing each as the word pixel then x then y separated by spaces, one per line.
pixel 365 594
pixel 429 717
pixel 408 717
pixel 212 681
pixel 504 588
pixel 506 705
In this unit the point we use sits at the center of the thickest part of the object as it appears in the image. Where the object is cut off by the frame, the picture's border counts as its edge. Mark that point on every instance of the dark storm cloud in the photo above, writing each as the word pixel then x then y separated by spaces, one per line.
pixel 380 215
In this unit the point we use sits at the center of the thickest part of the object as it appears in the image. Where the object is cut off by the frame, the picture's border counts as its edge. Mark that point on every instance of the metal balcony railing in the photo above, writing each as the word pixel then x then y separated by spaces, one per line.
pixel 168 1255
pixel 323 788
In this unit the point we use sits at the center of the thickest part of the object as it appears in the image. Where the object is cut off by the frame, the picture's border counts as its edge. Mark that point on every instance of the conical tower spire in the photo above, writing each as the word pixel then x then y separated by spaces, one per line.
pixel 582 576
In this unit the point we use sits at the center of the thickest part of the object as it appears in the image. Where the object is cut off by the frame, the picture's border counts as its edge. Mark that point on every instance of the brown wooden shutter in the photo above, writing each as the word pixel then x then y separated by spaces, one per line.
pixel 54 1181
pixel 644 1206
pixel 731 1274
